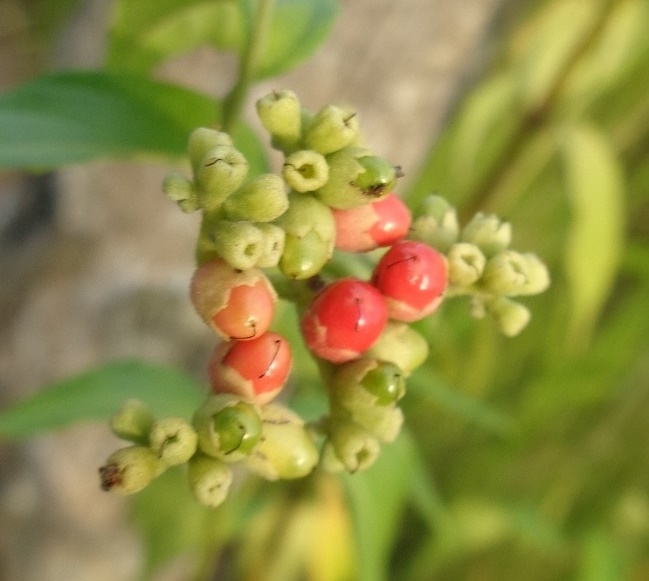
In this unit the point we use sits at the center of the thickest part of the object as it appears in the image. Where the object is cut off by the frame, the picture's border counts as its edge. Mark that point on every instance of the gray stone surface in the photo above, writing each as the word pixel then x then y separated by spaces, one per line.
pixel 108 277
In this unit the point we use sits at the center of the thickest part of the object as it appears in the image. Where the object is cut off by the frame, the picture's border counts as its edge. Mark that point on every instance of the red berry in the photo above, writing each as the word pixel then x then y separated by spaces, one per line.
pixel 370 226
pixel 412 276
pixel 236 304
pixel 256 369
pixel 344 320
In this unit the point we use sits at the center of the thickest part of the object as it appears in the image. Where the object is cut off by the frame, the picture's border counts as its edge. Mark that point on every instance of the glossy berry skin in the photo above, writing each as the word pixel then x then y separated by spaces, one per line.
pixel 412 276
pixel 235 304
pixel 344 320
pixel 371 226
pixel 255 370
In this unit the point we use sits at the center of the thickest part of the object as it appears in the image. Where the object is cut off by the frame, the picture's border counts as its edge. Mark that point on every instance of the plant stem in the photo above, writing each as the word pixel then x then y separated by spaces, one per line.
pixel 248 64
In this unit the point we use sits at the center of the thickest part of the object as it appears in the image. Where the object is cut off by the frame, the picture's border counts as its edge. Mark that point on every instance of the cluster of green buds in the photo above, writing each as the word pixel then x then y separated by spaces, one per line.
pixel 271 237
pixel 481 263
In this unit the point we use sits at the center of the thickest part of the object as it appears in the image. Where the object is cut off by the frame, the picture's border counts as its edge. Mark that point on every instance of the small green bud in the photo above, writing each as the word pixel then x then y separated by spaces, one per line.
pixel 331 129
pixel 274 238
pixel 305 170
pixel 488 232
pixel 436 225
pixel 221 171
pixel 133 422
pixel 306 214
pixel 401 345
pixel 280 114
pixel 465 264
pixel 209 480
pixel 181 190
pixel 356 177
pixel 201 140
pixel 240 244
pixel 353 446
pixel 262 199
pixel 174 440
pixel 511 273
pixel 383 381
pixel 304 257
pixel 129 470
pixel 286 450
pixel 511 316
pixel 228 427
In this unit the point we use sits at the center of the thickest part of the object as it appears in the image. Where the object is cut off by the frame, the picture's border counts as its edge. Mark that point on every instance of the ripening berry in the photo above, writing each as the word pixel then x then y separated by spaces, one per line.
pixel 370 226
pixel 255 370
pixel 412 276
pixel 236 304
pixel 344 320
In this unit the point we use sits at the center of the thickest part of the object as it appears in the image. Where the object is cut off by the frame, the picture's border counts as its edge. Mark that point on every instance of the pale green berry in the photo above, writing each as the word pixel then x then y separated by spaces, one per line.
pixel 221 171
pixel 274 240
pixel 181 190
pixel 401 345
pixel 174 440
pixel 201 140
pixel 240 244
pixel 209 480
pixel 511 273
pixel 510 316
pixel 280 114
pixel 262 199
pixel 305 170
pixel 466 263
pixel 286 449
pixel 133 422
pixel 488 232
pixel 436 224
pixel 356 448
pixel 331 129
pixel 228 427
pixel 129 470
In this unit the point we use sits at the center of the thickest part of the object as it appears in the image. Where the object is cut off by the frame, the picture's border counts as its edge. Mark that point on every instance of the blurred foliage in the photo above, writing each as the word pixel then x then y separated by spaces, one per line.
pixel 524 458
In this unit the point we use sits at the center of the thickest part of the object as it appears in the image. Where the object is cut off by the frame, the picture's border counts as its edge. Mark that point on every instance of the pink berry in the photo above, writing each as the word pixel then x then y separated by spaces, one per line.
pixel 255 370
pixel 236 304
pixel 370 226
pixel 344 320
pixel 412 276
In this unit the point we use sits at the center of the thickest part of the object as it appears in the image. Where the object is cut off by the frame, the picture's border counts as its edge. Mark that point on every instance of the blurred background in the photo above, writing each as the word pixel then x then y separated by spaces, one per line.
pixel 529 457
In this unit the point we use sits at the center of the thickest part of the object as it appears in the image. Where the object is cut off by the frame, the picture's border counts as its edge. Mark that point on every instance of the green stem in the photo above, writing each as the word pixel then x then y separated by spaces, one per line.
pixel 248 64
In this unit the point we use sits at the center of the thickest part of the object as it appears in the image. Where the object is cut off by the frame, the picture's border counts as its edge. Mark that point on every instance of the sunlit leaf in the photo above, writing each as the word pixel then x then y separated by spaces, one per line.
pixel 73 117
pixel 596 188
pixel 146 32
pixel 97 394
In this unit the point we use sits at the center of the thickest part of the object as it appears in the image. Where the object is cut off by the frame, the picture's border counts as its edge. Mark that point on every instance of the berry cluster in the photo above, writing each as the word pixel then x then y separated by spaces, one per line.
pixel 333 195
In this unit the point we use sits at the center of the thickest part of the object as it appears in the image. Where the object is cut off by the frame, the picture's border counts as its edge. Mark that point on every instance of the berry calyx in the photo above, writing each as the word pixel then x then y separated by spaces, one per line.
pixel 412 276
pixel 255 370
pixel 344 320
pixel 371 226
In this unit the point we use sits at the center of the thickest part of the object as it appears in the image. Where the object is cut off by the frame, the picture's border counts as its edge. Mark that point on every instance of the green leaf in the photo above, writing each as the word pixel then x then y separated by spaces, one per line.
pixel 146 32
pixel 97 394
pixel 73 117
pixel 298 28
pixel 601 559
pixel 377 500
pixel 593 252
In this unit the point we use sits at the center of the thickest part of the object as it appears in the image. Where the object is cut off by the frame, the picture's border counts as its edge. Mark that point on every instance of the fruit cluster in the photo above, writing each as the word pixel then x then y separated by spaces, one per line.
pixel 333 195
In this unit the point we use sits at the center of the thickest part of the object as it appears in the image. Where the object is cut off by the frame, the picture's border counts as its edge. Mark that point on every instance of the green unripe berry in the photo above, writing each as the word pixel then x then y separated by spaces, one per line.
pixel 221 171
pixel 286 450
pixel 353 446
pixel 510 316
pixel 401 345
pixel 228 427
pixel 201 140
pixel 306 214
pixel 179 189
pixel 304 257
pixel 130 470
pixel 280 114
pixel 436 224
pixel 466 263
pixel 274 240
pixel 209 480
pixel 510 273
pixel 133 422
pixel 305 170
pixel 262 199
pixel 385 382
pixel 378 177
pixel 240 244
pixel 331 129
pixel 488 232
pixel 174 440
